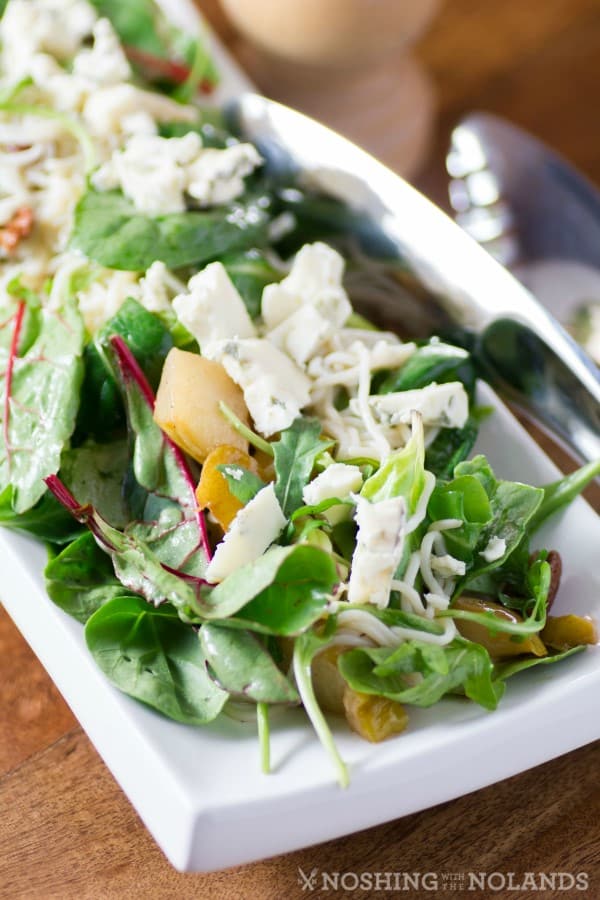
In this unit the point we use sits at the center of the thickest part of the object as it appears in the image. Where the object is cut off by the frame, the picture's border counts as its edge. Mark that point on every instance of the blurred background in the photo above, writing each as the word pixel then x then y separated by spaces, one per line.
pixel 536 63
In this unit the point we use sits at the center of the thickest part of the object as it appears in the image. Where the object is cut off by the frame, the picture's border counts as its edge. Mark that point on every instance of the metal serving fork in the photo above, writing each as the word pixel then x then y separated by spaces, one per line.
pixel 422 273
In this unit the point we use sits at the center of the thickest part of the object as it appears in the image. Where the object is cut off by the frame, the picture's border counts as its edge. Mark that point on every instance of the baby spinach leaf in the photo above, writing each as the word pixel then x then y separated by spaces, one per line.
pixel 110 230
pixel 250 272
pixel 47 520
pixel 434 361
pixel 461 666
pixel 243 484
pixel 297 597
pixel 280 593
pixel 81 578
pixel 151 655
pixel 295 454
pixel 165 511
pixel 39 397
pixel 243 667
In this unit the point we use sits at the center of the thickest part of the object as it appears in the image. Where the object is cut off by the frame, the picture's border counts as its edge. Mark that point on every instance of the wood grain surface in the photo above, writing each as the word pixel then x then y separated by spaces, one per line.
pixel 67 830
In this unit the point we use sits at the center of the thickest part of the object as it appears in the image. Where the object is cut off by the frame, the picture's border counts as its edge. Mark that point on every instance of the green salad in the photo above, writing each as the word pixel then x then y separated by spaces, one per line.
pixel 252 498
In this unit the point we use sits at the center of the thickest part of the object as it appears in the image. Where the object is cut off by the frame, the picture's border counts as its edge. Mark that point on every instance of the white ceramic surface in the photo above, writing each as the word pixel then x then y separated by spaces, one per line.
pixel 200 791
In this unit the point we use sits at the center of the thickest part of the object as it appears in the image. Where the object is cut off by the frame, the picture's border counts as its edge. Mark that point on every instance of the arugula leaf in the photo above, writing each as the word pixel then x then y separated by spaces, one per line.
pixel 434 361
pixel 151 655
pixel 295 454
pixel 81 578
pixel 306 647
pixel 250 272
pixel 166 514
pixel 39 397
pixel 102 412
pixel 562 492
pixel 111 231
pixel 461 666
pixel 242 483
pixel 243 667
pixel 47 520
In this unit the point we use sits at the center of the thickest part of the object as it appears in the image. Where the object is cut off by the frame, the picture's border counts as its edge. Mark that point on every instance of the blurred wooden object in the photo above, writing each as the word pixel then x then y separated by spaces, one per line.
pixel 66 829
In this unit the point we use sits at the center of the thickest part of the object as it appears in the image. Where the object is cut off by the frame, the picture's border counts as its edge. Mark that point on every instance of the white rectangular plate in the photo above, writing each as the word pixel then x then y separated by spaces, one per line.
pixel 200 791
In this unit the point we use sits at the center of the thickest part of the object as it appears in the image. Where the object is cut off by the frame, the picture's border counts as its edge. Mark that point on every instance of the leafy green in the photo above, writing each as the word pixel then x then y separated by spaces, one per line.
pixel 283 591
pixel 102 412
pixel 95 473
pixel 562 492
pixel 151 655
pixel 243 667
pixel 162 492
pixel 451 447
pixel 150 39
pixel 242 483
pixel 81 578
pixel 251 272
pixel 306 647
pixel 402 474
pixel 488 508
pixel 109 230
pixel 295 455
pixel 39 397
pixel 434 361
pixel 47 520
pixel 505 669
pixel 137 568
pixel 420 673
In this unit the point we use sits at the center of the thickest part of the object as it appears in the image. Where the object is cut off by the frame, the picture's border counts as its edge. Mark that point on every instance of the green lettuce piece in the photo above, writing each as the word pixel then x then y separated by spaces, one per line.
pixel 434 361
pixel 402 473
pixel 95 474
pixel 420 673
pixel 47 520
pixel 562 492
pixel 151 655
pixel 512 667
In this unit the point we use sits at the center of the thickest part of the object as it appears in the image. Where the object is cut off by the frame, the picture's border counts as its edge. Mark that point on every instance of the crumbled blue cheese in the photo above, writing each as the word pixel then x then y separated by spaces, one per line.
pixel 158 287
pixel 441 405
pixel 379 546
pixel 301 334
pixel 158 173
pixel 275 390
pixel 114 111
pixel 337 481
pixel 315 279
pixel 495 549
pixel 55 27
pixel 105 61
pixel 217 176
pixel 212 308
pixel 253 529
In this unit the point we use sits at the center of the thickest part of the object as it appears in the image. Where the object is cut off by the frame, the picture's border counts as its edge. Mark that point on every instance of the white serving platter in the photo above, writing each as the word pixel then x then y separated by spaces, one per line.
pixel 200 792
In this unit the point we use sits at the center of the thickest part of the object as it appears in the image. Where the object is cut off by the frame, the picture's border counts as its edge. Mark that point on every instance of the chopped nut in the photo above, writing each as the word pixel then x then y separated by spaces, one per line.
pixel 16 229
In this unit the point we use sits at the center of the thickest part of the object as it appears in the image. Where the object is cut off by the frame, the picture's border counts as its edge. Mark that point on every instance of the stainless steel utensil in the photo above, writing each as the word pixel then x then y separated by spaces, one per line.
pixel 425 273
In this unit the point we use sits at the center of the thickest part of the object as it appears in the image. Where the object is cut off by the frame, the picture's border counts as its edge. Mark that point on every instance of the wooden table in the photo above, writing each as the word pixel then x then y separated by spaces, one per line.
pixel 66 829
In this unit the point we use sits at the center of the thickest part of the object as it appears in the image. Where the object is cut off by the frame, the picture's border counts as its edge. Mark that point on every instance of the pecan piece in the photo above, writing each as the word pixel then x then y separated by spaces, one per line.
pixel 18 227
